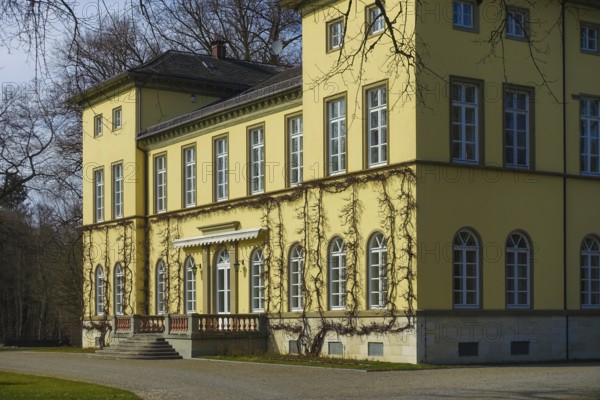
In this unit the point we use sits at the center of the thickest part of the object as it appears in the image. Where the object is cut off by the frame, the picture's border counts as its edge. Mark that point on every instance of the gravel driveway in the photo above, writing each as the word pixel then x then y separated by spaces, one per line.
pixel 202 379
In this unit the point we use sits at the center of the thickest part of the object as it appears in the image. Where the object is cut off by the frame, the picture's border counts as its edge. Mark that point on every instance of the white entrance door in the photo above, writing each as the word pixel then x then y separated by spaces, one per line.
pixel 223 283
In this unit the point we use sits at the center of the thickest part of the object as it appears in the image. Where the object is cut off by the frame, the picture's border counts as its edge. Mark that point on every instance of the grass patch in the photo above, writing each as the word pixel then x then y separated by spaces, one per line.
pixel 64 349
pixel 325 362
pixel 25 387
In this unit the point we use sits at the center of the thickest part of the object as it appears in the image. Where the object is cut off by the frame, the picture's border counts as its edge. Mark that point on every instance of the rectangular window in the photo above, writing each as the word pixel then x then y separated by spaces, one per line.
pixel 517 129
pixel 296 148
pixel 468 349
pixel 463 15
pixel 375 349
pixel 590 136
pixel 116 118
pixel 221 170
pixel 117 171
pixel 589 39
pixel 189 176
pixel 257 161
pixel 465 122
pixel 160 183
pixel 99 195
pixel 98 125
pixel 516 23
pixel 335 34
pixel 335 349
pixel 377 126
pixel 336 134
pixel 375 22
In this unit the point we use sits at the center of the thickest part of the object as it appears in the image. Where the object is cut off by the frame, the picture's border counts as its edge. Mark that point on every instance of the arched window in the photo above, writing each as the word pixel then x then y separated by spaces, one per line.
pixel 337 274
pixel 161 287
pixel 223 282
pixel 465 262
pixel 119 282
pixel 296 280
pixel 590 272
pixel 518 271
pixel 99 290
pixel 257 266
pixel 190 285
pixel 377 265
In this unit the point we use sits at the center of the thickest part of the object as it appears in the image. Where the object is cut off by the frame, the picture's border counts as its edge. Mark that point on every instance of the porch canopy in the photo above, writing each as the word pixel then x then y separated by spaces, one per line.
pixel 215 238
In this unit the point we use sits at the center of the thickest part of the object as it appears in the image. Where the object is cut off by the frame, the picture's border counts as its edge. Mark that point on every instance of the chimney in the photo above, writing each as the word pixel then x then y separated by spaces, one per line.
pixel 218 49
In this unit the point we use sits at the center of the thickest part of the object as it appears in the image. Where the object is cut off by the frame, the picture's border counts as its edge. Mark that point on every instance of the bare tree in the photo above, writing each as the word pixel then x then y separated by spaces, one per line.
pixel 250 27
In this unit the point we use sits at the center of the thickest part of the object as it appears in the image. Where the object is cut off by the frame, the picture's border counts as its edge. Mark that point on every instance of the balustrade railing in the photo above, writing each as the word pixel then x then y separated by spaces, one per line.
pixel 189 324
pixel 229 323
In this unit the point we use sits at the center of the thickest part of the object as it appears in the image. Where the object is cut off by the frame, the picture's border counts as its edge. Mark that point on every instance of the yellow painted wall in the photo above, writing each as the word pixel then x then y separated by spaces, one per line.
pixel 160 105
pixel 494 202
pixel 319 86
pixel 112 147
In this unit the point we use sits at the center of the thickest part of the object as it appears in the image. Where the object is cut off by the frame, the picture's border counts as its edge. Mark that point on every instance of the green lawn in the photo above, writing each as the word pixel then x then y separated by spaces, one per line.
pixel 25 387
pixel 363 365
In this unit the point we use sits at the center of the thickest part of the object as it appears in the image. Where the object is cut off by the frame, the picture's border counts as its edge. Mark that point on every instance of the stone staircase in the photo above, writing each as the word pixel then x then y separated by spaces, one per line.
pixel 139 347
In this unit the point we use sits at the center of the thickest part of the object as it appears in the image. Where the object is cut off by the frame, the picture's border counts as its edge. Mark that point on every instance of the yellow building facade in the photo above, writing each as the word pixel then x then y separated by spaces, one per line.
pixel 422 189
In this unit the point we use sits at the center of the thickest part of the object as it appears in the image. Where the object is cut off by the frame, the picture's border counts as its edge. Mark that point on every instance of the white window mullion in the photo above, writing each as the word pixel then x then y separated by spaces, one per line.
pixel 296 278
pixel 190 176
pixel 257 161
pixel 160 177
pixel 99 195
pixel 337 136
pixel 222 188
pixel 296 150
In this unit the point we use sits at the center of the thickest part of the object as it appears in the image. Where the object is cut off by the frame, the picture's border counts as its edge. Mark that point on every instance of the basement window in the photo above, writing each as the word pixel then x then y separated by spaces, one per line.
pixel 468 349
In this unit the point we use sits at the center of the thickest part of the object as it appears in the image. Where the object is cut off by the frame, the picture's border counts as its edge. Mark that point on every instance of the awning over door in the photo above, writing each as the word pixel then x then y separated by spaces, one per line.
pixel 215 238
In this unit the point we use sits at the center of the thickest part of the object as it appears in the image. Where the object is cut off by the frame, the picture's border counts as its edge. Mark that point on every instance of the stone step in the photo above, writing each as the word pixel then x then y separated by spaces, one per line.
pixel 141 347
pixel 175 356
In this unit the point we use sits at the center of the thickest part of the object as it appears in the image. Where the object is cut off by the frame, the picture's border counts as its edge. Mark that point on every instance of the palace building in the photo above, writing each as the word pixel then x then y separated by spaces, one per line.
pixel 423 189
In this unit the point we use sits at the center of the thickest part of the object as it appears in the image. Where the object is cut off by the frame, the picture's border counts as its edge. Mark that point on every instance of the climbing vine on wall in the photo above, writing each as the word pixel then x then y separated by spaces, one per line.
pixel 396 208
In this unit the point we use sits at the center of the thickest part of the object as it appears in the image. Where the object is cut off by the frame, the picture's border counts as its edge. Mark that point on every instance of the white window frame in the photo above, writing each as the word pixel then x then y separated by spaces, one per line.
pixel 99 195
pixel 375 21
pixel 459 16
pixel 257 160
pixel 516 139
pixel 257 290
pixel 589 39
pixel 160 183
pixel 336 136
pixel 296 150
pixel 119 286
pixel 99 290
pixel 377 132
pixel 464 106
pixel 377 267
pixel 516 23
pixel 189 178
pixel 161 288
pixel 590 272
pixel 465 244
pixel 590 136
pixel 337 274
pixel 117 172
pixel 296 278
pixel 190 285
pixel 335 32
pixel 221 170
pixel 223 291
pixel 98 125
pixel 117 118
pixel 518 271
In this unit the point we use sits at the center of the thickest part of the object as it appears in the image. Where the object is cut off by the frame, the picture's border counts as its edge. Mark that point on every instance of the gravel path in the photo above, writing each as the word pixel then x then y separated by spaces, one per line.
pixel 202 379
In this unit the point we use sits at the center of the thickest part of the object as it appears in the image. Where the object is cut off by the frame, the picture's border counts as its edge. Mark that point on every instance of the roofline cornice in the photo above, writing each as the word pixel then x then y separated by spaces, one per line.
pixel 221 115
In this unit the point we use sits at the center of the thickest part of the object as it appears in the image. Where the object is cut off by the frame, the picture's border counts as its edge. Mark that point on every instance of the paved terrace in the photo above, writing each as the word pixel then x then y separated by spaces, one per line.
pixel 202 379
